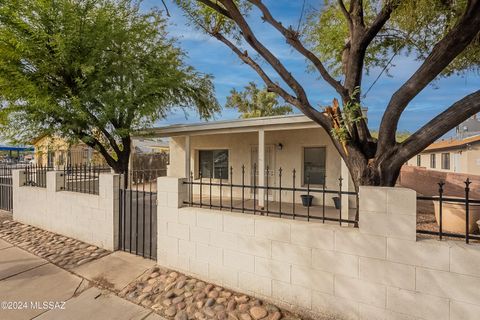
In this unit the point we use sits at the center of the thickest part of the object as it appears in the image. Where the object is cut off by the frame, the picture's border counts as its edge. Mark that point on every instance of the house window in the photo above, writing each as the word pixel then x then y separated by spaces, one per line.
pixel 213 164
pixel 433 161
pixel 446 161
pixel 50 158
pixel 419 160
pixel 314 165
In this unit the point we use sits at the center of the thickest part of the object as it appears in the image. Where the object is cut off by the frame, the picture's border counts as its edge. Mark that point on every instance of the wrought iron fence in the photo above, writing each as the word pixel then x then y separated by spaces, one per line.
pixel 246 198
pixel 452 214
pixel 138 212
pixel 6 182
pixel 36 175
pixel 82 178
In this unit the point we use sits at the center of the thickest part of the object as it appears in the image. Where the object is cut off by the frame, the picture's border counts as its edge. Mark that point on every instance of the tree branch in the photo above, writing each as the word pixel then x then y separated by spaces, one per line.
pixel 438 126
pixel 346 14
pixel 291 37
pixel 272 86
pixel 216 7
pixel 377 25
pixel 444 52
pixel 93 142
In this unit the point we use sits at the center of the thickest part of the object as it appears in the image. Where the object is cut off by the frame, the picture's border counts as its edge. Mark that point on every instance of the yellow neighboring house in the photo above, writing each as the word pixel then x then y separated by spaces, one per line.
pixel 452 155
pixel 57 152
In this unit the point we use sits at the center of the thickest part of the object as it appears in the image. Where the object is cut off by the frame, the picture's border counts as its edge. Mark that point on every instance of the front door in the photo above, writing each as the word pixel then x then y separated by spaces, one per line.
pixel 269 163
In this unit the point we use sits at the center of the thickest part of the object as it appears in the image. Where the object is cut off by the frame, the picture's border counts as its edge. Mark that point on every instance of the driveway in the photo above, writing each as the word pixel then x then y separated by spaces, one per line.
pixel 33 288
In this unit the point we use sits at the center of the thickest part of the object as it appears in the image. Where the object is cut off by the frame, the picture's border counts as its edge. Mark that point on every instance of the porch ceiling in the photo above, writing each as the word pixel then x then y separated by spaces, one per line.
pixel 290 122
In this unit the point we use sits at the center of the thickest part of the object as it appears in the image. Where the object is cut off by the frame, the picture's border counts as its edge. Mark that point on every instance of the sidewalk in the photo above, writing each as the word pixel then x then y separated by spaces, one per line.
pixel 34 288
pixel 49 276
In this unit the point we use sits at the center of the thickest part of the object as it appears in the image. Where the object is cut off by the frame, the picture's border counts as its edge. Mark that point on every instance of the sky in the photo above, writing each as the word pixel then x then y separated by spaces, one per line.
pixel 210 56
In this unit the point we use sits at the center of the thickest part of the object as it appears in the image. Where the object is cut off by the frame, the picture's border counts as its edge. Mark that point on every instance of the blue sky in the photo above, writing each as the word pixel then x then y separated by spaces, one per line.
pixel 212 57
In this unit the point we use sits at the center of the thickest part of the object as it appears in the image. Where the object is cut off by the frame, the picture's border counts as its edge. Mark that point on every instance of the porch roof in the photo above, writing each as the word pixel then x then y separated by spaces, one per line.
pixel 286 122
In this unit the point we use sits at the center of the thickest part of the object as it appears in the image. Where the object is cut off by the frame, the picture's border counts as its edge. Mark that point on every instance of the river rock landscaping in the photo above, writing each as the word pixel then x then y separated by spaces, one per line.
pixel 179 297
pixel 60 250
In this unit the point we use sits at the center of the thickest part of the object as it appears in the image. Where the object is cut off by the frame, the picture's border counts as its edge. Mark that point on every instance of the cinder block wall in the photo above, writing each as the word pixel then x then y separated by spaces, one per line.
pixel 378 271
pixel 86 217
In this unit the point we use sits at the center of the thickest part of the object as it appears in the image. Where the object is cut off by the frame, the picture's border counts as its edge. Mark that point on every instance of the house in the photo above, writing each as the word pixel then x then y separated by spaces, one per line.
pixel 452 155
pixel 468 128
pixel 57 152
pixel 292 151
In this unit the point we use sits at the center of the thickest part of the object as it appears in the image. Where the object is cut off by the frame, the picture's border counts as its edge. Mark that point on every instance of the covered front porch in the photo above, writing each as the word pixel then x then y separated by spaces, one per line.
pixel 270 161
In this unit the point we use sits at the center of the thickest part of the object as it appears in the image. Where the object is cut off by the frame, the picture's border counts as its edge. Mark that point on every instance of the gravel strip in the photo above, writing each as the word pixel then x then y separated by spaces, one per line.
pixel 179 297
pixel 60 250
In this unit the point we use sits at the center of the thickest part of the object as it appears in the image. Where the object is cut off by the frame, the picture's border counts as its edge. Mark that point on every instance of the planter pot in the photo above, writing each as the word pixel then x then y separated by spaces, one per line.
pixel 337 202
pixel 454 217
pixel 306 200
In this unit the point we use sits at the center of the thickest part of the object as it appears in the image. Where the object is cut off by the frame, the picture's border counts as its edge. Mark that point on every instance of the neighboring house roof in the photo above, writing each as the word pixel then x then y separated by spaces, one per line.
pixel 452 143
pixel 232 126
pixel 148 146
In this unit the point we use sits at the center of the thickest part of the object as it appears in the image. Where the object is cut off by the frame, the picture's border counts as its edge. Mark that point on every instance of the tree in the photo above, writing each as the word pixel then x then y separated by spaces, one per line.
pixel 254 102
pixel 342 41
pixel 92 70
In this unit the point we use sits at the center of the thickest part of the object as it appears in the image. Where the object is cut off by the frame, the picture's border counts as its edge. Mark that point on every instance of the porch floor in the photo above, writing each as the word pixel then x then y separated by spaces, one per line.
pixel 315 213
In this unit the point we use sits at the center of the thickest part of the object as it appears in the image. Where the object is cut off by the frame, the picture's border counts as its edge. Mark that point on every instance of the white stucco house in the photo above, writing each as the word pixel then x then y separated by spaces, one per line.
pixel 235 151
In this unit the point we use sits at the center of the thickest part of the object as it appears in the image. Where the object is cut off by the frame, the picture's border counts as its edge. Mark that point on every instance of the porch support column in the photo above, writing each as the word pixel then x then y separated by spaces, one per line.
pixel 261 166
pixel 345 174
pixel 187 157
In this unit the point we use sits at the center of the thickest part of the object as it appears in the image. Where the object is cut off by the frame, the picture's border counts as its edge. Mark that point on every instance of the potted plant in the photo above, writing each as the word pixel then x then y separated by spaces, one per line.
pixel 453 216
pixel 306 200
pixel 337 202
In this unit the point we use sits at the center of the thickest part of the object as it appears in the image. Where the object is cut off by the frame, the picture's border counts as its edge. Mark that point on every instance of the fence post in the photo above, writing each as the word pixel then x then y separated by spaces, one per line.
pixel 109 193
pixel 55 181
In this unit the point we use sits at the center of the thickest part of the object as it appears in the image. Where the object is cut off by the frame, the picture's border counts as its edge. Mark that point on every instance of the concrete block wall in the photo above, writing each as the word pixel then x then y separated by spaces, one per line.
pixel 378 271
pixel 86 217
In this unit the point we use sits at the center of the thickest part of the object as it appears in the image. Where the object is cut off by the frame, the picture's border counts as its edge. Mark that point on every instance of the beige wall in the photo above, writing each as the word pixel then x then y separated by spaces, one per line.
pixel 461 161
pixel 376 271
pixel 240 146
pixel 86 217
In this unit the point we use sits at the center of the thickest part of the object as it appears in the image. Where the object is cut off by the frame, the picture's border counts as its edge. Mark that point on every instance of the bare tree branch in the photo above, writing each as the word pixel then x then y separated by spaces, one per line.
pixel 444 52
pixel 272 86
pixel 434 129
pixel 292 38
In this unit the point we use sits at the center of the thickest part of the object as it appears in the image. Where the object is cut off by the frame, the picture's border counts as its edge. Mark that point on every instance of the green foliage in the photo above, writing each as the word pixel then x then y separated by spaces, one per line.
pixel 351 114
pixel 206 19
pixel 254 102
pixel 93 70
pixel 400 136
pixel 414 28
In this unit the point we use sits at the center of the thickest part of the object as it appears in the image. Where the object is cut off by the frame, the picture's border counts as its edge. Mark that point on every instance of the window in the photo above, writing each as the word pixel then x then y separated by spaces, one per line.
pixel 419 160
pixel 50 158
pixel 213 164
pixel 433 161
pixel 446 161
pixel 314 165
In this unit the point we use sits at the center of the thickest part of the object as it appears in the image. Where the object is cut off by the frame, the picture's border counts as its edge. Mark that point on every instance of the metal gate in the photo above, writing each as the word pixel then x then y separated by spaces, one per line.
pixel 138 213
pixel 6 190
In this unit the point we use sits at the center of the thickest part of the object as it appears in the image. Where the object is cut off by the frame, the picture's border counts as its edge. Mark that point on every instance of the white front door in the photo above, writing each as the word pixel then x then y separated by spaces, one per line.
pixel 270 174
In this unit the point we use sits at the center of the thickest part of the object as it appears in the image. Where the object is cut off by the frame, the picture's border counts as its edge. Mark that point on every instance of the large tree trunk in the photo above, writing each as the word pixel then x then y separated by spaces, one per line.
pixel 368 170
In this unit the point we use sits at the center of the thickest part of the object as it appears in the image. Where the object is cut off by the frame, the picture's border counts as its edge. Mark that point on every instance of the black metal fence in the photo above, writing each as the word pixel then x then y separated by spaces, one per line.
pixel 36 175
pixel 83 178
pixel 452 214
pixel 138 213
pixel 6 182
pixel 242 197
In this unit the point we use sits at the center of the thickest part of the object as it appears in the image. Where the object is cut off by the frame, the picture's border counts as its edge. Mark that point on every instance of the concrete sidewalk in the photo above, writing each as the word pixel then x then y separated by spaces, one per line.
pixel 33 288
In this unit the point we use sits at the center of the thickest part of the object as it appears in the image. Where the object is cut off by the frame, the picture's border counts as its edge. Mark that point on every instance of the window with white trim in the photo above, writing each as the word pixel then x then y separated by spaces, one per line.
pixel 213 164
